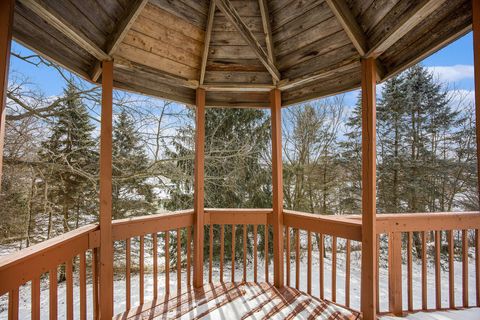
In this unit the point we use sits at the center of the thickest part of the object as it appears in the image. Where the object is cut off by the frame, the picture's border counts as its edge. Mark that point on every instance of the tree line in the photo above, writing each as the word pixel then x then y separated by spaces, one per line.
pixel 426 156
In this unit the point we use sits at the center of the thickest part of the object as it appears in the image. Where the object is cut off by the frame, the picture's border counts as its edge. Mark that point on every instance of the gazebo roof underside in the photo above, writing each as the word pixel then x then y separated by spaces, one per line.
pixel 238 50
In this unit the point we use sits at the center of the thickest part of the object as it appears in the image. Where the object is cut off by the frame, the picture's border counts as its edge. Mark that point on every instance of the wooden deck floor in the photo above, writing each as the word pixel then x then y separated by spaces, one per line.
pixel 241 301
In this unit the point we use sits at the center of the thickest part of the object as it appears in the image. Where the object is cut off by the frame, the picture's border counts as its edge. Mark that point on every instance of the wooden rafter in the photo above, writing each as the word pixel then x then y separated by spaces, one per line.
pixel 406 23
pixel 44 12
pixel 206 45
pixel 349 23
pixel 267 29
pixel 354 32
pixel 120 32
pixel 232 15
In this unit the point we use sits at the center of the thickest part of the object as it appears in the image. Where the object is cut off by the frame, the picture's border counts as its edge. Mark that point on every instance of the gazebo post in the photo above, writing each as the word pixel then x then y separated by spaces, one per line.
pixel 106 243
pixel 476 62
pixel 198 204
pixel 277 183
pixel 6 22
pixel 369 251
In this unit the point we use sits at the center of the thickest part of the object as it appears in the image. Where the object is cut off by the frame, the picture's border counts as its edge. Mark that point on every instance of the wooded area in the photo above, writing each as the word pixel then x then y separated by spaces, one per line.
pixel 426 155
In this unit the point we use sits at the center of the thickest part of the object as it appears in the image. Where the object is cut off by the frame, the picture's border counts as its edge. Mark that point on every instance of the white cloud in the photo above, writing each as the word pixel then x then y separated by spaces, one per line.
pixel 452 73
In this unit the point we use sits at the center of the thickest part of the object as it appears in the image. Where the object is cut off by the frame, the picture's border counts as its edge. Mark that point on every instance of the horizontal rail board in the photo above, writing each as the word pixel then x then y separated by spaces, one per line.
pixel 338 226
pixel 139 226
pixel 21 267
pixel 237 216
pixel 433 221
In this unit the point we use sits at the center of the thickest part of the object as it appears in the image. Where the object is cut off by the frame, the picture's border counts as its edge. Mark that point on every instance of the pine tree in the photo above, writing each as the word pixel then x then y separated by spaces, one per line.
pixel 132 193
pixel 70 154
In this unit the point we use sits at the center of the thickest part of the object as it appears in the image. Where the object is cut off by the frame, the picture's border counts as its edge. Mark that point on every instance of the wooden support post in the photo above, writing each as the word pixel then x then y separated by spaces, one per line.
pixel 395 272
pixel 6 22
pixel 106 244
pixel 199 190
pixel 277 181
pixel 369 259
pixel 476 63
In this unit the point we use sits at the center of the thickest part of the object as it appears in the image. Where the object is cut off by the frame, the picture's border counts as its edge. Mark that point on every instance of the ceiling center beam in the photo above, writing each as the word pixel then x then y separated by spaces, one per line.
pixel 232 15
pixel 58 22
pixel 267 30
pixel 119 33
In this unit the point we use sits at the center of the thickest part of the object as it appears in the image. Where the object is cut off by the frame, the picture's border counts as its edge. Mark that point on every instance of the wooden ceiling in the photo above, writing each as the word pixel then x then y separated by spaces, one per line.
pixel 238 50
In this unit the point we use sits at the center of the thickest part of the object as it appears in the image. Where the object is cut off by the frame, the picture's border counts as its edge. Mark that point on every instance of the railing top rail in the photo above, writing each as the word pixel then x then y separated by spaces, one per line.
pixel 338 226
pixel 138 226
pixel 20 267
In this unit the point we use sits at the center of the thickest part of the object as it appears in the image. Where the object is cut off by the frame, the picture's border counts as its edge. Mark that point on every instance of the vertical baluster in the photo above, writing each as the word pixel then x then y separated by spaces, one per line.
pixel 142 272
pixel 347 274
pixel 244 253
pixel 128 286
pixel 53 293
pixel 222 250
pixel 265 250
pixel 83 287
pixel 465 267
pixel 167 262
pixel 477 265
pixel 377 277
pixel 95 269
pixel 13 304
pixel 451 269
pixel 395 272
pixel 438 281
pixel 155 265
pixel 321 255
pixel 35 303
pixel 297 259
pixel 287 254
pixel 233 252
pixel 189 248
pixel 210 253
pixel 409 272
pixel 334 269
pixel 255 253
pixel 424 270
pixel 309 262
pixel 69 276
pixel 179 260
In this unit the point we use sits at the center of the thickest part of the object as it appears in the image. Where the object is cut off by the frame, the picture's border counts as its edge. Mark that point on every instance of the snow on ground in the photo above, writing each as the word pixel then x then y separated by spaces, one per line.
pixel 119 288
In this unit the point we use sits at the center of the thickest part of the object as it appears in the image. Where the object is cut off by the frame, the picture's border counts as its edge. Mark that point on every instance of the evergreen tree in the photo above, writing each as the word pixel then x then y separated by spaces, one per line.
pixel 236 171
pixel 132 193
pixel 72 161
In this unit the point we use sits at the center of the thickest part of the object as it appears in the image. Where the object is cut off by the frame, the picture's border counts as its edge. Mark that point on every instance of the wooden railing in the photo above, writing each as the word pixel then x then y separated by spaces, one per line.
pixel 249 221
pixel 151 247
pixel 43 261
pixel 432 235
pixel 302 226
pixel 158 231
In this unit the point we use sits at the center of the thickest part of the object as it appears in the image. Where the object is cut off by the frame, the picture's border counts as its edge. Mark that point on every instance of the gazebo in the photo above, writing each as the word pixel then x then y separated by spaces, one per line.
pixel 249 54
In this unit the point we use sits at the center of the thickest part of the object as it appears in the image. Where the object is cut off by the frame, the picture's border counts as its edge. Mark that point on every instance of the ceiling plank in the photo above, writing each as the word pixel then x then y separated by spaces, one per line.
pixel 267 30
pixel 237 87
pixel 345 17
pixel 206 42
pixel 232 15
pixel 119 34
pixel 407 22
pixel 167 78
pixel 59 23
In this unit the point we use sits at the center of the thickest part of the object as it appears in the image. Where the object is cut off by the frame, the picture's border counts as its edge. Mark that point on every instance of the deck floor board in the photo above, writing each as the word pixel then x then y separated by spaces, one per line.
pixel 241 301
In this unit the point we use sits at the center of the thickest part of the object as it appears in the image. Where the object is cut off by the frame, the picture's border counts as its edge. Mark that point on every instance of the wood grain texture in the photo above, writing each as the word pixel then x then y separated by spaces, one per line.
pixel 369 210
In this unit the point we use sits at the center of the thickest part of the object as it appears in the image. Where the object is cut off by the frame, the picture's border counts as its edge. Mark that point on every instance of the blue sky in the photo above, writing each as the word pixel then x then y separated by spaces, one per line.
pixel 453 65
